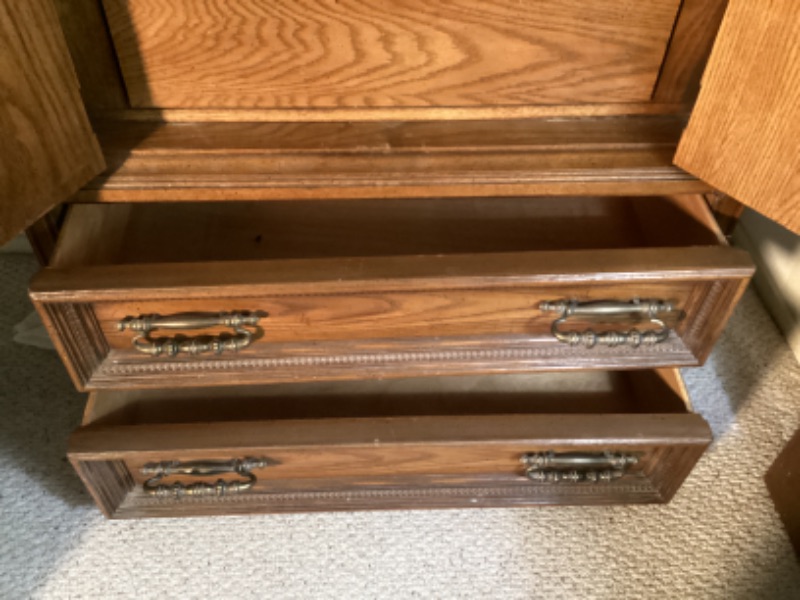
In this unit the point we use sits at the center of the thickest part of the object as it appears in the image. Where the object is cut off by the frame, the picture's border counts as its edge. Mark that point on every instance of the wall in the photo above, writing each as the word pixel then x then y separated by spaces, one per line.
pixel 777 254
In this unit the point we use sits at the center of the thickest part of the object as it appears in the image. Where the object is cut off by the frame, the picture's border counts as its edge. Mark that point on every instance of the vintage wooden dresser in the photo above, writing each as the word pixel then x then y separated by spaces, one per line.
pixel 337 254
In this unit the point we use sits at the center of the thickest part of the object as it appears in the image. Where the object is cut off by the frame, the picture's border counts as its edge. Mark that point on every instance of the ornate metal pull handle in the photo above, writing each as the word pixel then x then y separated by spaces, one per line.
pixel 238 321
pixel 602 467
pixel 209 468
pixel 649 309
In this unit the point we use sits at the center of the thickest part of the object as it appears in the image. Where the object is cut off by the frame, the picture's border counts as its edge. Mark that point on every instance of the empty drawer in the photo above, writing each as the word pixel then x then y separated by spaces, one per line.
pixel 237 293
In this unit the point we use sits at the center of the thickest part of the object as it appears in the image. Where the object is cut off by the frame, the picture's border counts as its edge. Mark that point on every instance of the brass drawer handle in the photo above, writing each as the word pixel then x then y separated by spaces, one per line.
pixel 649 309
pixel 203 468
pixel 171 346
pixel 570 467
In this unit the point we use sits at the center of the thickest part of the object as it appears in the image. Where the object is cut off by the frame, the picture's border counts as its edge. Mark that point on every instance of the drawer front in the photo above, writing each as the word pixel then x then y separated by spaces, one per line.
pixel 401 462
pixel 399 53
pixel 244 293
pixel 388 317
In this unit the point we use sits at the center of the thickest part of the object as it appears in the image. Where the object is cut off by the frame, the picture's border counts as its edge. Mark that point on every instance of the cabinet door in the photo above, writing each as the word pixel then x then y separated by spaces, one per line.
pixel 47 147
pixel 744 134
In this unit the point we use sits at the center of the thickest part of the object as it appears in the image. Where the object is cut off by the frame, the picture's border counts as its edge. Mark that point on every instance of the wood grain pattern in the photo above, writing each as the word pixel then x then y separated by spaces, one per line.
pixel 412 462
pixel 441 287
pixel 744 134
pixel 278 161
pixel 401 113
pixel 375 317
pixel 47 147
pixel 691 43
pixel 77 337
pixel 84 26
pixel 319 53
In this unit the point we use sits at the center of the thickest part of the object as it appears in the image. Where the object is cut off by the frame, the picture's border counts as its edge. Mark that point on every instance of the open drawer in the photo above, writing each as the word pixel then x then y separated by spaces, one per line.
pixel 154 295
pixel 592 437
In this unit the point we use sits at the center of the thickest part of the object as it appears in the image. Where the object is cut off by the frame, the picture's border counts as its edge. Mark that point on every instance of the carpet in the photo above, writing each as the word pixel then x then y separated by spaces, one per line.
pixel 719 538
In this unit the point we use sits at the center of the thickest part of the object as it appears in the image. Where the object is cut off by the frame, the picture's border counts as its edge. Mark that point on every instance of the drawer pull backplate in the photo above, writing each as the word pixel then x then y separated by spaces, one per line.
pixel 241 337
pixel 570 467
pixel 204 468
pixel 649 309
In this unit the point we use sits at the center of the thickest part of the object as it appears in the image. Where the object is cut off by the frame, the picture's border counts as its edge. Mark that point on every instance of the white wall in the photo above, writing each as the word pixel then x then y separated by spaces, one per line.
pixel 776 252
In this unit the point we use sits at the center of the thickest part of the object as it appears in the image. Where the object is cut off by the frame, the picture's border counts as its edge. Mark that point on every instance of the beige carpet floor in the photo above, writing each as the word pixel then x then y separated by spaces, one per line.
pixel 719 538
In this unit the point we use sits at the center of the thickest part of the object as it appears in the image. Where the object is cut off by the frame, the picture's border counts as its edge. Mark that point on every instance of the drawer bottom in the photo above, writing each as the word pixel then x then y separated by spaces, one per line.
pixel 491 441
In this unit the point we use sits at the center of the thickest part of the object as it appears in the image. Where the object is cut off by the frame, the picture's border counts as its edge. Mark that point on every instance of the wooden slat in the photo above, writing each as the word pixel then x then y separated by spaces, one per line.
pixel 400 113
pixel 302 276
pixel 47 147
pixel 744 134
pixel 282 53
pixel 380 435
pixel 151 161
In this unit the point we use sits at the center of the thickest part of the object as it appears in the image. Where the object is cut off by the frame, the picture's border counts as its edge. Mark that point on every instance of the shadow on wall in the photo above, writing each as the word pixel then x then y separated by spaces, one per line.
pixel 776 251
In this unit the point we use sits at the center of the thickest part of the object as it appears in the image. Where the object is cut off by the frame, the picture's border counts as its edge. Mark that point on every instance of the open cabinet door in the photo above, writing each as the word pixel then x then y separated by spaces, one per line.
pixel 744 134
pixel 47 147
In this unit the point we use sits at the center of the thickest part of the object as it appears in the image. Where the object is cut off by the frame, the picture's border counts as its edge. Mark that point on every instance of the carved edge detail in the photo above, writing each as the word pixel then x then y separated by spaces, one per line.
pixel 388 359
pixel 109 482
pixel 714 308
pixel 520 493
pixel 81 340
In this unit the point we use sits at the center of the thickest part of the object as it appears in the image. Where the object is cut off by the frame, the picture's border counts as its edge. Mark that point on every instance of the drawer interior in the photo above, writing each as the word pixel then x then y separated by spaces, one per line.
pixel 451 442
pixel 589 392
pixel 151 233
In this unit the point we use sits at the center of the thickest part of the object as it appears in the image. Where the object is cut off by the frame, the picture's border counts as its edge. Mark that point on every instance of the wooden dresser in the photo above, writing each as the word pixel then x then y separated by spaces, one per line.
pixel 339 255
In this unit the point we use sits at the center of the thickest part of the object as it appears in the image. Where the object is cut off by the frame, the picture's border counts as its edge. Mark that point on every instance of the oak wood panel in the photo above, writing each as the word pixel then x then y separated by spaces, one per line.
pixel 351 53
pixel 692 40
pixel 273 161
pixel 396 462
pixel 744 131
pixel 47 148
pixel 140 137
pixel 484 313
pixel 382 315
pixel 84 25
